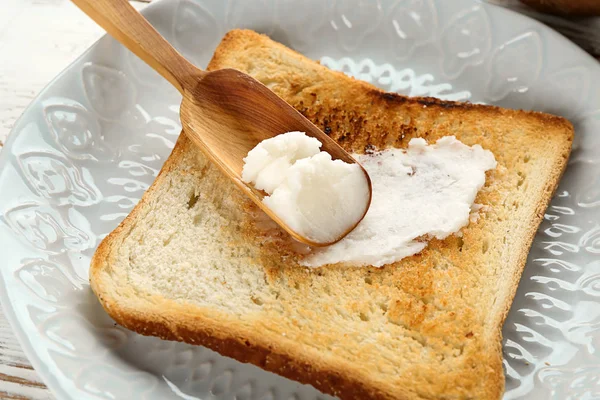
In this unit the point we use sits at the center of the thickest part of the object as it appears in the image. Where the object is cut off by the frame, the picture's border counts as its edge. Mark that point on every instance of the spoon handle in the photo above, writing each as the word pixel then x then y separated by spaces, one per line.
pixel 130 28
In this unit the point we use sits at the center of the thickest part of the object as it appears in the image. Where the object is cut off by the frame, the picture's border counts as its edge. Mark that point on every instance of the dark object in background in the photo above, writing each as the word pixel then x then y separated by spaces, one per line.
pixel 566 7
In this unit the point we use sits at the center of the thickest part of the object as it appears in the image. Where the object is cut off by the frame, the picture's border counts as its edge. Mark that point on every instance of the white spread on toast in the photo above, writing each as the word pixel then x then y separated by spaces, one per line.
pixel 317 197
pixel 422 192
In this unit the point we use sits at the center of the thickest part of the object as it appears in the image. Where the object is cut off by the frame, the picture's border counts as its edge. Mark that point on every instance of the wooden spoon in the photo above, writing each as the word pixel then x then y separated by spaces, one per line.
pixel 226 112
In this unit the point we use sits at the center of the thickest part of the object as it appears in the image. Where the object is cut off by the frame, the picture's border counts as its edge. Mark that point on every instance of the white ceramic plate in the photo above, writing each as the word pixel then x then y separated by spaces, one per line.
pixel 87 148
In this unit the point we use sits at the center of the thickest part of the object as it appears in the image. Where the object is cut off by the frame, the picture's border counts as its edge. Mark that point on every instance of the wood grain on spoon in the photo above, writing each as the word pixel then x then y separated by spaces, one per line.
pixel 226 112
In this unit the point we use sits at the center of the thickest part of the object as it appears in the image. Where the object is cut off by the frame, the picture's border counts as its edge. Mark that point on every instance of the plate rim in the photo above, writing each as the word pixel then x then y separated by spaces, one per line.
pixel 42 369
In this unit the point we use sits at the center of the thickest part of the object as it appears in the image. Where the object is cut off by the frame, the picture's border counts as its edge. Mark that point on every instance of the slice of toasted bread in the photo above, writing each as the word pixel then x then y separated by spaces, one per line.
pixel 192 262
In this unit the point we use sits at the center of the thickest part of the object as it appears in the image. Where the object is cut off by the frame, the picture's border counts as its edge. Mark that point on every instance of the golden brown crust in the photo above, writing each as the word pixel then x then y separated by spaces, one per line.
pixel 549 190
pixel 296 367
pixel 465 326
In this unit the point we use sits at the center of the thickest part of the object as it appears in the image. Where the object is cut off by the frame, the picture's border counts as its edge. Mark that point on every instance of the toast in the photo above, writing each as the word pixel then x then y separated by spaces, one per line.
pixel 196 261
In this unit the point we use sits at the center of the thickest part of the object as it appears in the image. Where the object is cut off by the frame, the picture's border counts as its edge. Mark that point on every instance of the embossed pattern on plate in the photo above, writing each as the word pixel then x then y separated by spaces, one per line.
pixel 85 151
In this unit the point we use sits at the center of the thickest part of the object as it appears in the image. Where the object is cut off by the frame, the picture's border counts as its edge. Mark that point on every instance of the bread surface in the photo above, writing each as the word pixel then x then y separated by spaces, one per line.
pixel 196 261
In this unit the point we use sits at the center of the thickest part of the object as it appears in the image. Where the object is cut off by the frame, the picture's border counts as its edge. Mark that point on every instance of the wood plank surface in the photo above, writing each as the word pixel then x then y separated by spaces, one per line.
pixel 38 39
pixel 18 380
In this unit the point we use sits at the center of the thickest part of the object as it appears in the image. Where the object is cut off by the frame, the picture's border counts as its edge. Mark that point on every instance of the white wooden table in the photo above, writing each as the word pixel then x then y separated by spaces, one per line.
pixel 38 39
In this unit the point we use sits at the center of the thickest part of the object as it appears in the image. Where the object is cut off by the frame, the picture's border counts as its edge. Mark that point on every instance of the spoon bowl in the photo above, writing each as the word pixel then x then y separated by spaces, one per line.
pixel 226 113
